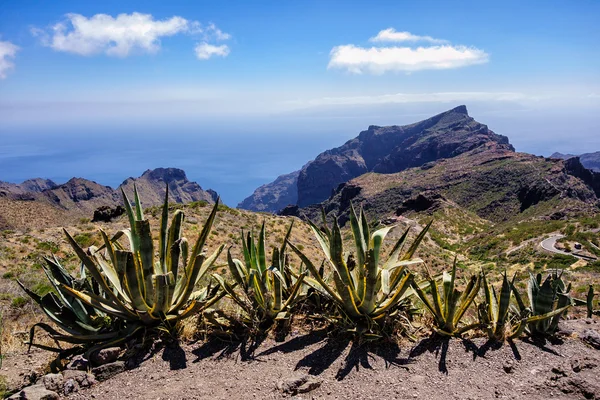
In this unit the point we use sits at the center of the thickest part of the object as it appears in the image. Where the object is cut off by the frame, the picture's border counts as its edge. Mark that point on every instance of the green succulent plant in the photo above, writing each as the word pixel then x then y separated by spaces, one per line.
pixel 499 318
pixel 269 290
pixel 590 301
pixel 365 288
pixel 449 307
pixel 127 288
pixel 549 299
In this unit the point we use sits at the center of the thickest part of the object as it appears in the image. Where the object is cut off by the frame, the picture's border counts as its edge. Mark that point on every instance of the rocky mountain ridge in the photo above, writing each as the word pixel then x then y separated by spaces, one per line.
pixel 80 197
pixel 492 182
pixel 388 149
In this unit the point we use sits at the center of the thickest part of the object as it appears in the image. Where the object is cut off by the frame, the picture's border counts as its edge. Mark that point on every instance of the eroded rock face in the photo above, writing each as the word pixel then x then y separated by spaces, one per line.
pixel 382 149
pixel 273 196
pixel 392 149
pixel 426 201
pixel 107 213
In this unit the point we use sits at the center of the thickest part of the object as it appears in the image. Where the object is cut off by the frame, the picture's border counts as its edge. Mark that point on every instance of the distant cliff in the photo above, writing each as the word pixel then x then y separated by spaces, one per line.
pixel 590 161
pixel 273 196
pixel 386 150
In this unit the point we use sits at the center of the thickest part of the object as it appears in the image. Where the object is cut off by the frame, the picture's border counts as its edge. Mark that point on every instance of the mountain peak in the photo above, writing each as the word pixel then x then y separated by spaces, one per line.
pixel 382 149
pixel 462 109
pixel 165 174
pixel 151 187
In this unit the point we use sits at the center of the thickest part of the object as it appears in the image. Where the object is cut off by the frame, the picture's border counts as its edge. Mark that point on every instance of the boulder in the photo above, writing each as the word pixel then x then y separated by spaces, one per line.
pixel 106 371
pixel 105 356
pixel 35 392
pixel 107 213
pixel 591 337
pixel 53 382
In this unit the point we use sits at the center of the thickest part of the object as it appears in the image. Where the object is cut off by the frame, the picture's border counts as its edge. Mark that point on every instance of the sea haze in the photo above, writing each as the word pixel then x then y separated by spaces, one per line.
pixel 233 163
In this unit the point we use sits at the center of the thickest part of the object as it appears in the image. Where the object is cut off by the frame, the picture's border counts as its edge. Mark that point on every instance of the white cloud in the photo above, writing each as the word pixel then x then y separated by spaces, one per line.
pixel 212 31
pixel 204 51
pixel 379 60
pixel 119 36
pixel 7 51
pixel 391 35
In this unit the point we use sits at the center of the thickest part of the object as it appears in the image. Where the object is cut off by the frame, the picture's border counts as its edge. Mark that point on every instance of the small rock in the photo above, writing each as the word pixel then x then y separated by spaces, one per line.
pixel 106 371
pixel 79 363
pixel 81 377
pixel 70 386
pixel 560 371
pixel 75 380
pixel 53 382
pixel 30 377
pixel 298 383
pixel 105 356
pixel 35 392
pixel 508 366
pixel 591 337
pixel 577 364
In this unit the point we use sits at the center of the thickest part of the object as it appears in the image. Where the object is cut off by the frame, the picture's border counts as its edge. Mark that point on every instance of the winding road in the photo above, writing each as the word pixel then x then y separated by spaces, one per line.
pixel 550 243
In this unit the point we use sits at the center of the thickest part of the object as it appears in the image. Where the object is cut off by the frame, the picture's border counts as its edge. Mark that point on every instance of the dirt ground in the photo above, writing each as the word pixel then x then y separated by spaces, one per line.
pixel 430 369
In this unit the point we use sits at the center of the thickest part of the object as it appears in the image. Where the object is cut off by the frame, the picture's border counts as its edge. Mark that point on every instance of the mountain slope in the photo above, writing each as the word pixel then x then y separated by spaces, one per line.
pixel 492 182
pixel 387 149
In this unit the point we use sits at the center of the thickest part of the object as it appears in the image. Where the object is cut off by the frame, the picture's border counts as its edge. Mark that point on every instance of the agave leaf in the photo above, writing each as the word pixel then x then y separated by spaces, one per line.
pixel 411 250
pixel 315 273
pixel 98 302
pixel 163 242
pixel 173 245
pixel 376 241
pixel 467 299
pixel 393 300
pixel 347 296
pixel 93 269
pixel 368 305
pixel 360 244
pixel 203 236
pixel 395 253
pixel 133 285
pixel 237 269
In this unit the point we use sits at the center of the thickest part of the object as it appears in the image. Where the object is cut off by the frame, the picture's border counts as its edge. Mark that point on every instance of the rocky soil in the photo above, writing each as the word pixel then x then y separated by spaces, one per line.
pixel 313 365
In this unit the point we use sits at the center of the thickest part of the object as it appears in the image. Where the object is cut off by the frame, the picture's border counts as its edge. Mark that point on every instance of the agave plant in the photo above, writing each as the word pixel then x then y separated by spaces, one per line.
pixel 364 288
pixel 449 307
pixel 81 323
pixel 499 318
pixel 590 302
pixel 127 288
pixel 549 299
pixel 269 291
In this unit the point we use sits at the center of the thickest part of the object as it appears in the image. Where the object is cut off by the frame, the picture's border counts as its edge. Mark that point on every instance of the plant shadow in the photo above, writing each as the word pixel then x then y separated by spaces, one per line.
pixel 175 355
pixel 223 347
pixel 360 354
pixel 542 342
pixel 434 344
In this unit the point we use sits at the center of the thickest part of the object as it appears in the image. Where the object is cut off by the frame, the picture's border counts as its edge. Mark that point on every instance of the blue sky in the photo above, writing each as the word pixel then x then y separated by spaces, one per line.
pixel 323 70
